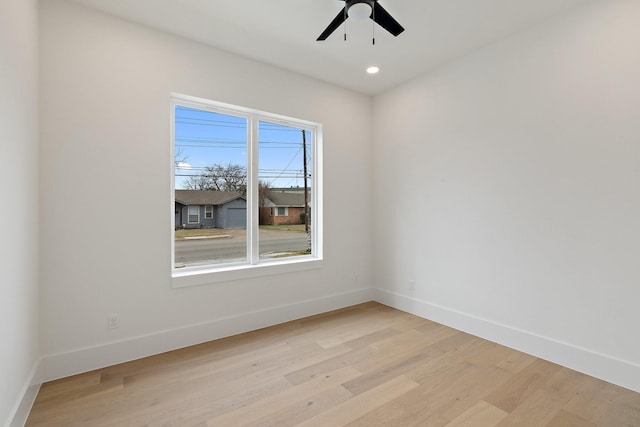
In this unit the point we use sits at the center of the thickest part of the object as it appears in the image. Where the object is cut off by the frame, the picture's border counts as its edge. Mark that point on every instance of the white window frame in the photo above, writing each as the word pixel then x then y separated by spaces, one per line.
pixel 286 211
pixel 189 214
pixel 254 266
pixel 208 215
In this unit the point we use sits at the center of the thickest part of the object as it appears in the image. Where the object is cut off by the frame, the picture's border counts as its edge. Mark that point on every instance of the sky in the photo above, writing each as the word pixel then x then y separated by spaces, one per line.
pixel 205 138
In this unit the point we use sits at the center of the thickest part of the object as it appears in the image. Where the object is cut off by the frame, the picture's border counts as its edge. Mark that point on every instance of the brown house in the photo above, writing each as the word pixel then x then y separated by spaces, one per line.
pixel 283 207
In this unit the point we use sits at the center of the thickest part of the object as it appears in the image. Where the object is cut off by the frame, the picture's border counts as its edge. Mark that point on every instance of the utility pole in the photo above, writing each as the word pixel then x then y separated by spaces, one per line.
pixel 306 195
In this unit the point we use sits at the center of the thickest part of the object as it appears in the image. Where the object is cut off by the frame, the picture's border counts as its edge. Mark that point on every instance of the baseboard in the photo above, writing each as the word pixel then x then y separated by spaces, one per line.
pixel 620 372
pixel 20 413
pixel 108 354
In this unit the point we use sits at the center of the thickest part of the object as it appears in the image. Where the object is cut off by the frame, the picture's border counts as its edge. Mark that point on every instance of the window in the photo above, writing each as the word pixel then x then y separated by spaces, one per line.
pixel 194 214
pixel 250 164
pixel 208 212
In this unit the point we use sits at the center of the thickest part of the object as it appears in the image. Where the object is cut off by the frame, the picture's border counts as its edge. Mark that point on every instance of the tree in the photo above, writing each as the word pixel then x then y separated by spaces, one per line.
pixel 197 182
pixel 179 157
pixel 264 187
pixel 230 177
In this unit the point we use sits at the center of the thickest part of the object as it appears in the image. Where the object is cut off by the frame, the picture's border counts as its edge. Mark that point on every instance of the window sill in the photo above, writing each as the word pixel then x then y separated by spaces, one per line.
pixel 183 278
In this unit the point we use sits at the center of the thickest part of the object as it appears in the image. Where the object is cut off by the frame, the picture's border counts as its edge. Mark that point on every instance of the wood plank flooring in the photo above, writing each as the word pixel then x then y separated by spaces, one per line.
pixel 368 365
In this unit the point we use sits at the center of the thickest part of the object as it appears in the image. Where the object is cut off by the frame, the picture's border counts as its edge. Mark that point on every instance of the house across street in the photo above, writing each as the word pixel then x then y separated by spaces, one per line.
pixel 228 209
pixel 210 209
pixel 283 206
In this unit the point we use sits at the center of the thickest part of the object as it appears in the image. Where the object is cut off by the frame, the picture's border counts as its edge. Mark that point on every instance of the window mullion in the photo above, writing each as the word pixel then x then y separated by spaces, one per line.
pixel 252 193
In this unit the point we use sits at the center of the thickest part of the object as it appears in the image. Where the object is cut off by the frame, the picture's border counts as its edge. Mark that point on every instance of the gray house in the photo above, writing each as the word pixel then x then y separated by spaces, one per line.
pixel 210 209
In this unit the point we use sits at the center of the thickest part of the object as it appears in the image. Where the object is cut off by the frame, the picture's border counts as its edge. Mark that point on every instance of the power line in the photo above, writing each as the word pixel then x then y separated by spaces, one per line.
pixel 203 140
pixel 288 164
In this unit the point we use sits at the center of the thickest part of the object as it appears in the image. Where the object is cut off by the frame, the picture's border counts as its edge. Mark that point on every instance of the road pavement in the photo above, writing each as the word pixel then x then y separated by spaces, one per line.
pixel 190 252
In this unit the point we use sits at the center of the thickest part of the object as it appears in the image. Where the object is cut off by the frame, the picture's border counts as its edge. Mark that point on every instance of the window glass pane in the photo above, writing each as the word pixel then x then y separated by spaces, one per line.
pixel 210 169
pixel 284 155
pixel 194 214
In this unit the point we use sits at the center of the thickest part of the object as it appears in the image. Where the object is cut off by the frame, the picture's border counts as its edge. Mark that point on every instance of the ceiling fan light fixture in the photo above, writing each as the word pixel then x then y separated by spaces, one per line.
pixel 359 11
pixel 367 9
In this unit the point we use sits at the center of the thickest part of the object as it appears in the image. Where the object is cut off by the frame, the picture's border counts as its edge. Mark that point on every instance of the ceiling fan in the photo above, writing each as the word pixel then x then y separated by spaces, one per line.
pixel 363 8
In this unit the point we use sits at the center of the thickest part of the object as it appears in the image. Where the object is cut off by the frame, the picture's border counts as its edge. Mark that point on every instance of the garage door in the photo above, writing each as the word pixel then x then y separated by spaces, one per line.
pixel 236 218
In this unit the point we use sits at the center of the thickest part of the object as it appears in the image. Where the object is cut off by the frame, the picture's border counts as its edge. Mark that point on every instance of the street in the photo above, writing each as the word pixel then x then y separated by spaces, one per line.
pixel 189 252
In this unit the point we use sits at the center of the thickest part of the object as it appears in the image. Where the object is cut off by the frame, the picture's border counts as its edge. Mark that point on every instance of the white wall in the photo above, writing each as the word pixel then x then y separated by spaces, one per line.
pixel 105 148
pixel 511 191
pixel 19 216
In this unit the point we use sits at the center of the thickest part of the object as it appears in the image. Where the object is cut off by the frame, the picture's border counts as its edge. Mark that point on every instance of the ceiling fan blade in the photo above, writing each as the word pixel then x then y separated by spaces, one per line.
pixel 337 21
pixel 385 20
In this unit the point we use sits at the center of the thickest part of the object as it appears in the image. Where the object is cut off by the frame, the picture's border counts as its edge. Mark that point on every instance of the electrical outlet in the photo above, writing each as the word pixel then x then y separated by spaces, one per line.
pixel 412 285
pixel 114 321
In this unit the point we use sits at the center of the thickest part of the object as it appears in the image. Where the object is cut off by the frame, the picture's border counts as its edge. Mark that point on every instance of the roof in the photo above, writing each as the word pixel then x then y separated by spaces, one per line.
pixel 206 197
pixel 280 198
pixel 288 189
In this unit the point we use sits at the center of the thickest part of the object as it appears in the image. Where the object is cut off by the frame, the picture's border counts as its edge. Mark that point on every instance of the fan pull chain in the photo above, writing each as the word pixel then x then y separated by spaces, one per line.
pixel 373 24
pixel 345 24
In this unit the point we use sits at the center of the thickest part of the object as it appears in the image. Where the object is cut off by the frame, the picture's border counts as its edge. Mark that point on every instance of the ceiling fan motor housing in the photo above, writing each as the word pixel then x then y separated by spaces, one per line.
pixel 350 3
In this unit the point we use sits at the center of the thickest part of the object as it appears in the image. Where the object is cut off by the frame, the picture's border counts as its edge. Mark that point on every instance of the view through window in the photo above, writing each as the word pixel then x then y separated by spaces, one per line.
pixel 243 187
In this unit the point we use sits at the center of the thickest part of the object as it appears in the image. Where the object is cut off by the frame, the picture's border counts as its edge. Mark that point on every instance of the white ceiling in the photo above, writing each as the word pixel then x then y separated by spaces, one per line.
pixel 284 32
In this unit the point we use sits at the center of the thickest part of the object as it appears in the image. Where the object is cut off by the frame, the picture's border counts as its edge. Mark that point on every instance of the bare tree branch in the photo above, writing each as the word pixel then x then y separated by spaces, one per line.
pixel 231 177
pixel 264 187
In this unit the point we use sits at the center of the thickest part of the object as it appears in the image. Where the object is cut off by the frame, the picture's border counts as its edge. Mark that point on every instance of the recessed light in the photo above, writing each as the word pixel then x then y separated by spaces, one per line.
pixel 373 70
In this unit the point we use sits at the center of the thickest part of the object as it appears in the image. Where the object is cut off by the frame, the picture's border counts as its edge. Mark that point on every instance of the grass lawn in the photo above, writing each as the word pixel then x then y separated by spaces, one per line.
pixel 200 232
pixel 213 232
pixel 290 227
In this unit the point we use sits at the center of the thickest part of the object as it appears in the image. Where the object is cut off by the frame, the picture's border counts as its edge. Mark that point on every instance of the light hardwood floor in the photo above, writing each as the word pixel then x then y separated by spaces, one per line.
pixel 367 365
